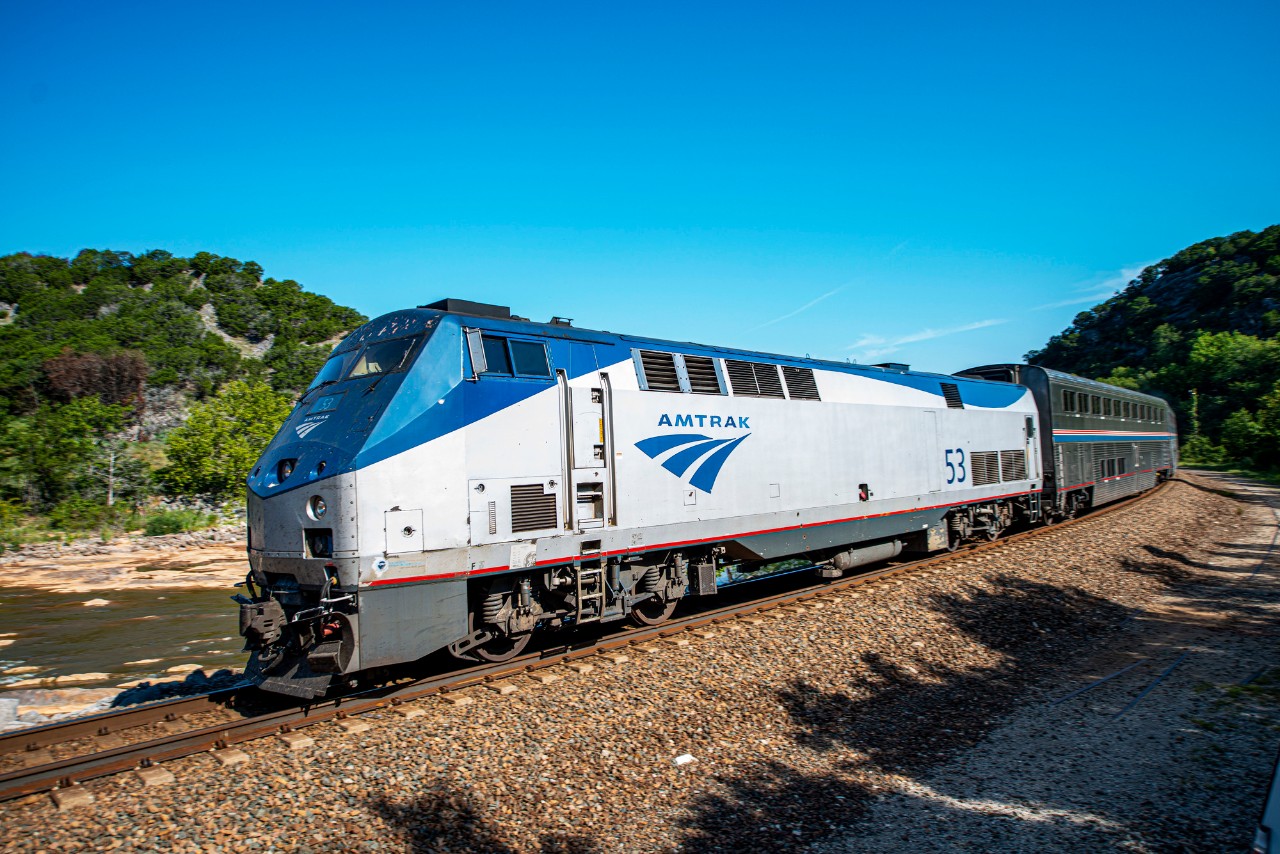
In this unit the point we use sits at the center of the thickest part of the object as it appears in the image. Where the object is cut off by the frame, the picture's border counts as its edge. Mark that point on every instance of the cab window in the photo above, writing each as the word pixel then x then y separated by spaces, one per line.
pixel 495 355
pixel 382 357
pixel 529 359
pixel 515 357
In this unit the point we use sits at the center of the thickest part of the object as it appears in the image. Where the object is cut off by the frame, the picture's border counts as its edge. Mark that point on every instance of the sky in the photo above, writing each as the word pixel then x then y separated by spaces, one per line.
pixel 940 184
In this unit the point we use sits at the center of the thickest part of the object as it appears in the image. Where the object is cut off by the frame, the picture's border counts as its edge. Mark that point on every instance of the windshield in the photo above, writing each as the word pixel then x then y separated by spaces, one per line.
pixel 331 372
pixel 382 357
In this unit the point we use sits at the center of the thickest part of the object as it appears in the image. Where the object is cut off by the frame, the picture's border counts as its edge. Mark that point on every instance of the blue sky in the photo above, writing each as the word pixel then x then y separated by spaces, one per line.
pixel 943 184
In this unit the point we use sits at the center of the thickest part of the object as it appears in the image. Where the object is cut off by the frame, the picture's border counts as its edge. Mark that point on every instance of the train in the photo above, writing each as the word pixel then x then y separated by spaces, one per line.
pixel 458 478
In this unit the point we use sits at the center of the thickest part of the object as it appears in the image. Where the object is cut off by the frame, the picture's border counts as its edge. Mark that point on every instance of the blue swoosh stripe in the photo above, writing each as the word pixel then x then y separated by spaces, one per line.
pixel 679 463
pixel 660 444
pixel 705 477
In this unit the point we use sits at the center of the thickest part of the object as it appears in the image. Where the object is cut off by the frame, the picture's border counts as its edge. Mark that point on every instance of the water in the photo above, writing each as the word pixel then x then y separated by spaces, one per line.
pixel 60 635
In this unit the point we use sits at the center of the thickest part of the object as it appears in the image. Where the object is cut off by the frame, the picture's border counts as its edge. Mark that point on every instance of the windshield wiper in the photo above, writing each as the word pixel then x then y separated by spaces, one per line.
pixel 307 393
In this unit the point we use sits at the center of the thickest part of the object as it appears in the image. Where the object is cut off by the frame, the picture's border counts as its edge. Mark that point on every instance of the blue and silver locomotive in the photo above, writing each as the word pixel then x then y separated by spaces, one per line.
pixel 457 478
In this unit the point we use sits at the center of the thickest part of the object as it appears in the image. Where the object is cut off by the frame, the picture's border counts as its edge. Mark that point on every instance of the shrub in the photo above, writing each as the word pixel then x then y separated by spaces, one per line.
pixel 78 514
pixel 1200 451
pixel 175 522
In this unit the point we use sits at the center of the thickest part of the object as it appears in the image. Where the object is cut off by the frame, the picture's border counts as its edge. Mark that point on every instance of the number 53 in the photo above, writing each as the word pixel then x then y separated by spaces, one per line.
pixel 956 469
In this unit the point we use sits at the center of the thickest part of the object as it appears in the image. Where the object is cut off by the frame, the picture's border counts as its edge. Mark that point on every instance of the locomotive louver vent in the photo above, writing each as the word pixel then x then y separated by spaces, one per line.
pixel 1013 465
pixel 659 371
pixel 951 392
pixel 702 375
pixel 985 467
pixel 530 509
pixel 800 383
pixel 753 379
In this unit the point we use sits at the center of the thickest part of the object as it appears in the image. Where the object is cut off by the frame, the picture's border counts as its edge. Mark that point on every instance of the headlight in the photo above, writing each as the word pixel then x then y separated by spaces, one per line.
pixel 318 507
pixel 285 469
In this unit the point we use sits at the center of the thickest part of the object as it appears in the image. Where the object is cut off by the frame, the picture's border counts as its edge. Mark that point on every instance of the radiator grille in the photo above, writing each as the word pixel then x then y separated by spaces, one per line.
pixel 984 467
pixel 659 371
pixel 530 509
pixel 753 379
pixel 951 392
pixel 1013 465
pixel 702 375
pixel 800 383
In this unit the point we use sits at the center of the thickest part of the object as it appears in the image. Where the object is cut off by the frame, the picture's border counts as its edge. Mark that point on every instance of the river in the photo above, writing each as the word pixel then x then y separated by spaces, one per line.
pixel 137 635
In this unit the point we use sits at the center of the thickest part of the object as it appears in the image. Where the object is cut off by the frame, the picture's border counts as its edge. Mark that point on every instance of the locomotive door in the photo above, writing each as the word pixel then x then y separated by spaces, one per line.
pixel 587 437
pixel 1033 448
pixel 934 466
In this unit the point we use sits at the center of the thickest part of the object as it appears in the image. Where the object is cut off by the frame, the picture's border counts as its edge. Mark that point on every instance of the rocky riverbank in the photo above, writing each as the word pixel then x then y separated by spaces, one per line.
pixel 201 559
pixel 32 706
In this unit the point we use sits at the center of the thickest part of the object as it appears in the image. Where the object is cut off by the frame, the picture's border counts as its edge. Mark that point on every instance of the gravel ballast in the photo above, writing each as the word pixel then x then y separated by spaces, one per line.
pixel 913 714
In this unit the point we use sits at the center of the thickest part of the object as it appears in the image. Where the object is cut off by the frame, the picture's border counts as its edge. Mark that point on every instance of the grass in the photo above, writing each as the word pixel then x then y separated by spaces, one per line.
pixel 18 530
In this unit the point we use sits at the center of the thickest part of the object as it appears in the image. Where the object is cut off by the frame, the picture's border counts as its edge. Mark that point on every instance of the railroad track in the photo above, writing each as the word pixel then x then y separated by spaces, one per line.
pixel 107 754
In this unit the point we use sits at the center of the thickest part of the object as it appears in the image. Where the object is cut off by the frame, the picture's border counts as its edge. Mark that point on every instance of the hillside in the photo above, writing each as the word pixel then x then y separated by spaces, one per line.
pixel 1201 329
pixel 107 357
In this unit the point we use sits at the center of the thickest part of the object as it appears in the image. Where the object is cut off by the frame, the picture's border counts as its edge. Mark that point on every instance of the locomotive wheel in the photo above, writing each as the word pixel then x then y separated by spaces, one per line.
pixel 497 649
pixel 993 534
pixel 651 612
pixel 502 648
pixel 954 540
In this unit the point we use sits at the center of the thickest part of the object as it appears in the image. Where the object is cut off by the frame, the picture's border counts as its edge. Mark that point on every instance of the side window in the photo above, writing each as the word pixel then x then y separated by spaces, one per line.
pixel 1096 404
pixel 495 354
pixel 1068 400
pixel 1106 406
pixel 530 359
pixel 514 357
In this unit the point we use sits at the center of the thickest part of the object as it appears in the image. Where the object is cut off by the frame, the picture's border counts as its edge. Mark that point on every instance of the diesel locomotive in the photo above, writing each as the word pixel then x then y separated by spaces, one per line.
pixel 457 478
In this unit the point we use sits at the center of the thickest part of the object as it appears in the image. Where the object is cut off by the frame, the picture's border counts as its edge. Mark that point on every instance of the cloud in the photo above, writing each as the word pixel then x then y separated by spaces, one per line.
pixel 810 304
pixel 870 347
pixel 1095 292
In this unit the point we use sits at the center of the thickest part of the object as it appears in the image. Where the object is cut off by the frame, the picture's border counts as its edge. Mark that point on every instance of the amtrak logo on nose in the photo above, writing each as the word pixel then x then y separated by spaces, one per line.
pixel 689 448
pixel 307 426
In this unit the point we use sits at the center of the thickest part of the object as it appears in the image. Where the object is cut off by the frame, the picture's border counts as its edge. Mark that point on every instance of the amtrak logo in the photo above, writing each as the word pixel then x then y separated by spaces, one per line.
pixel 690 448
pixel 307 426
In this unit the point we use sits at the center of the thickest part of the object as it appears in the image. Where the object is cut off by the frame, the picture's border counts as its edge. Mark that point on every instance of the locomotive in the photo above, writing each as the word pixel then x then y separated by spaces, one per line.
pixel 456 478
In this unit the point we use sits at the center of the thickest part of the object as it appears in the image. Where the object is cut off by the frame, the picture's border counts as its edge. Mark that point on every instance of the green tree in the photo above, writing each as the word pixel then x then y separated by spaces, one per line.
pixel 1267 452
pixel 54 447
pixel 1241 436
pixel 213 452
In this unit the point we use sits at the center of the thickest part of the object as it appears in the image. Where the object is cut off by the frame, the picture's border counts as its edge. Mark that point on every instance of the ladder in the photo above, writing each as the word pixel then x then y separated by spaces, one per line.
pixel 590 590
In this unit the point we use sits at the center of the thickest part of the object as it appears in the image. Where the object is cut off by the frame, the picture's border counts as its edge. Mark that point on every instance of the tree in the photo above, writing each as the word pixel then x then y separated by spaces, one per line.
pixel 212 453
pixel 118 378
pixel 52 448
pixel 1267 450
pixel 1241 436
